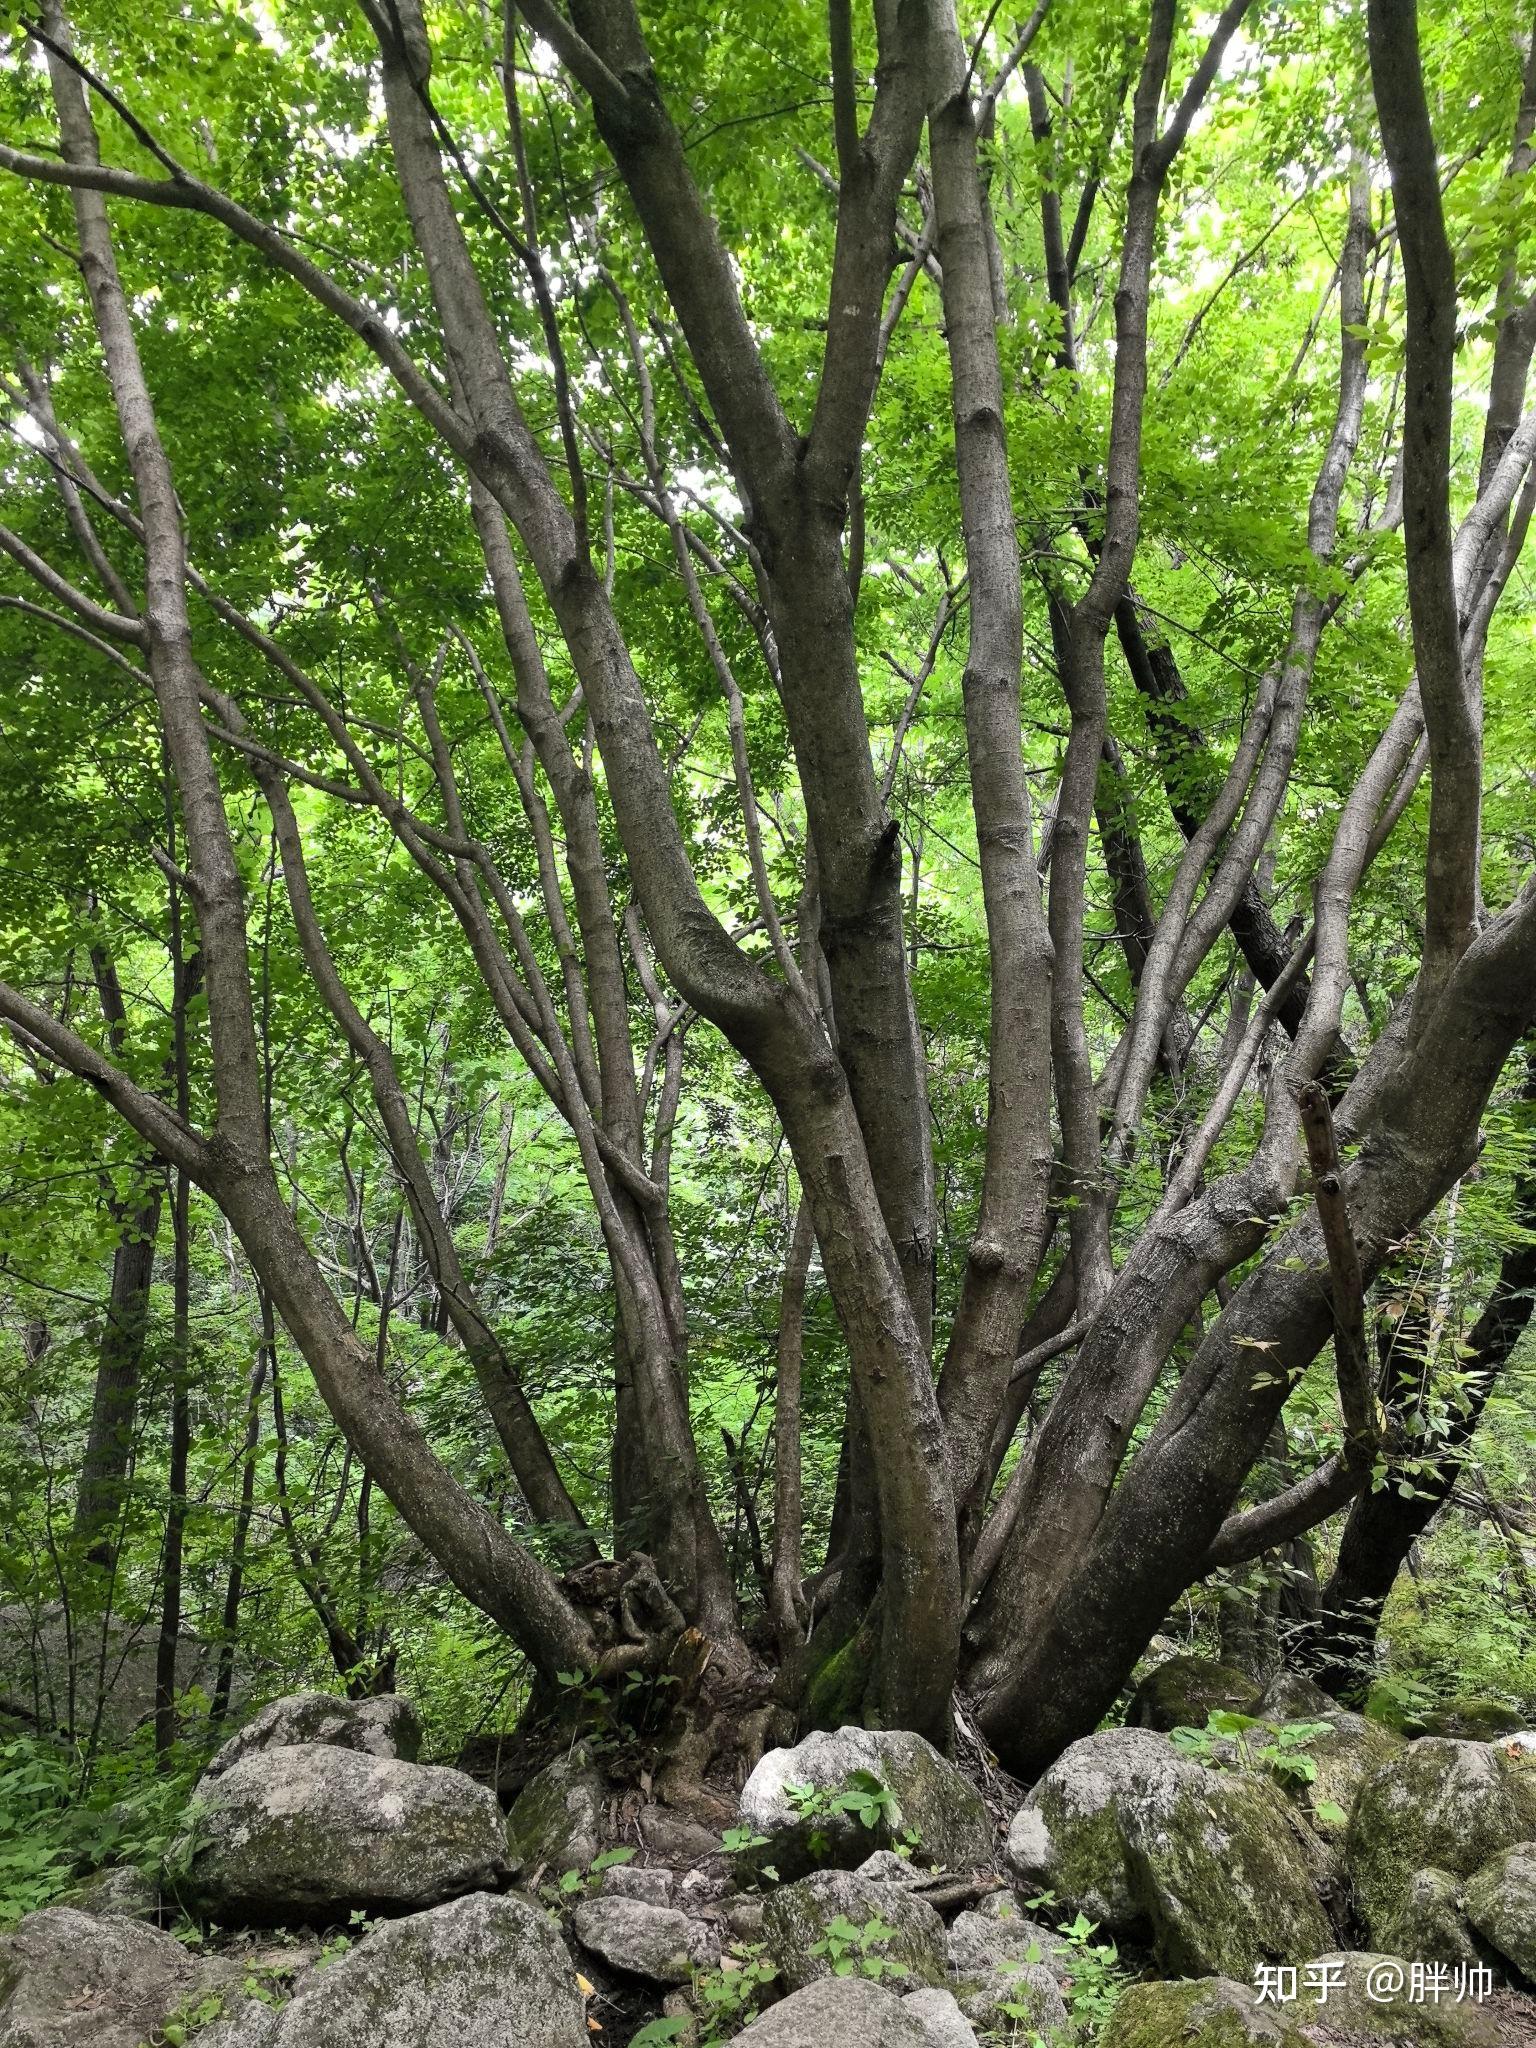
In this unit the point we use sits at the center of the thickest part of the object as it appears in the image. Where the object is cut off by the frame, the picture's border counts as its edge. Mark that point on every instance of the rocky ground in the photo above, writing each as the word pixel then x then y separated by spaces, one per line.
pixel 865 1893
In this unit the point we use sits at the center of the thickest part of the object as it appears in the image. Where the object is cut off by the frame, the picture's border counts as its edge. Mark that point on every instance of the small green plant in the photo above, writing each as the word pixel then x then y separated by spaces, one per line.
pixel 734 1840
pixel 864 1795
pixel 1229 1739
pixel 855 1951
pixel 179 2026
pixel 1098 1978
pixel 578 1884
pixel 728 1998
pixel 621 1716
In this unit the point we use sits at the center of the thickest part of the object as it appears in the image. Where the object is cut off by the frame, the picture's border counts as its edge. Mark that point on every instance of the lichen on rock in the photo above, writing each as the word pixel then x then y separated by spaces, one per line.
pixel 1501 1904
pixel 311 1832
pixel 929 1797
pixel 1438 1803
pixel 799 1918
pixel 1209 1865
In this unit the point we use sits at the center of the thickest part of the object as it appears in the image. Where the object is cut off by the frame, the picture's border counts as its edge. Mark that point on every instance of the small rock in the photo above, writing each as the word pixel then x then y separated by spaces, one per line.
pixel 696 1889
pixel 646 1941
pixel 839 2012
pixel 930 1797
pixel 635 1881
pixel 886 1867
pixel 675 1838
pixel 1207 2012
pixel 310 1833
pixel 744 1916
pixel 554 1821
pixel 81 1980
pixel 1185 1691
pixel 1501 1904
pixel 944 2025
pixel 796 1920
pixel 384 1727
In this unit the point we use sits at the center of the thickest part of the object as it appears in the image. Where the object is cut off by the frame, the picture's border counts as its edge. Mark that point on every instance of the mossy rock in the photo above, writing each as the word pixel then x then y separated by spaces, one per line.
pixel 1185 1691
pixel 928 1796
pixel 1346 1751
pixel 1501 1905
pixel 553 1824
pixel 120 1890
pixel 311 1833
pixel 1351 1997
pixel 1474 1720
pixel 1212 1866
pixel 480 1972
pixel 797 1917
pixel 1229 1878
pixel 1437 1804
pixel 1429 1922
pixel 1206 2012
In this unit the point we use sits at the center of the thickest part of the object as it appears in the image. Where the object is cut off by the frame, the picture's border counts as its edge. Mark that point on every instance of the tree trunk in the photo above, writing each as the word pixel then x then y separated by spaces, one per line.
pixel 119 1370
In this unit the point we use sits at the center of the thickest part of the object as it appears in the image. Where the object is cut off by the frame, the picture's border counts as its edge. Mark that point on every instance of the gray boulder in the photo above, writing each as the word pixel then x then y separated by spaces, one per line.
pixel 996 1964
pixel 1292 1696
pixel 655 1942
pixel 980 1942
pixel 841 2012
pixel 799 1918
pixel 121 1889
pixel 554 1821
pixel 1428 1922
pixel 78 1980
pixel 638 1881
pixel 1501 1904
pixel 310 1833
pixel 886 1867
pixel 106 1669
pixel 930 1797
pixel 944 2025
pixel 480 1972
pixel 1208 2012
pixel 1211 1865
pixel 1184 1691
pixel 386 1727
pixel 1437 1803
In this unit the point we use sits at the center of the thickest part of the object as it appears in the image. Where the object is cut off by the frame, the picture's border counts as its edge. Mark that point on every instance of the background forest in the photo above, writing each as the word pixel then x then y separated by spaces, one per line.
pixel 453 918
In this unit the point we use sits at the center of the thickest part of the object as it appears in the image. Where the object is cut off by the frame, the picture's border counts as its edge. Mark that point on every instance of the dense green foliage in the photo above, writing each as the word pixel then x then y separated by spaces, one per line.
pixel 317 501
